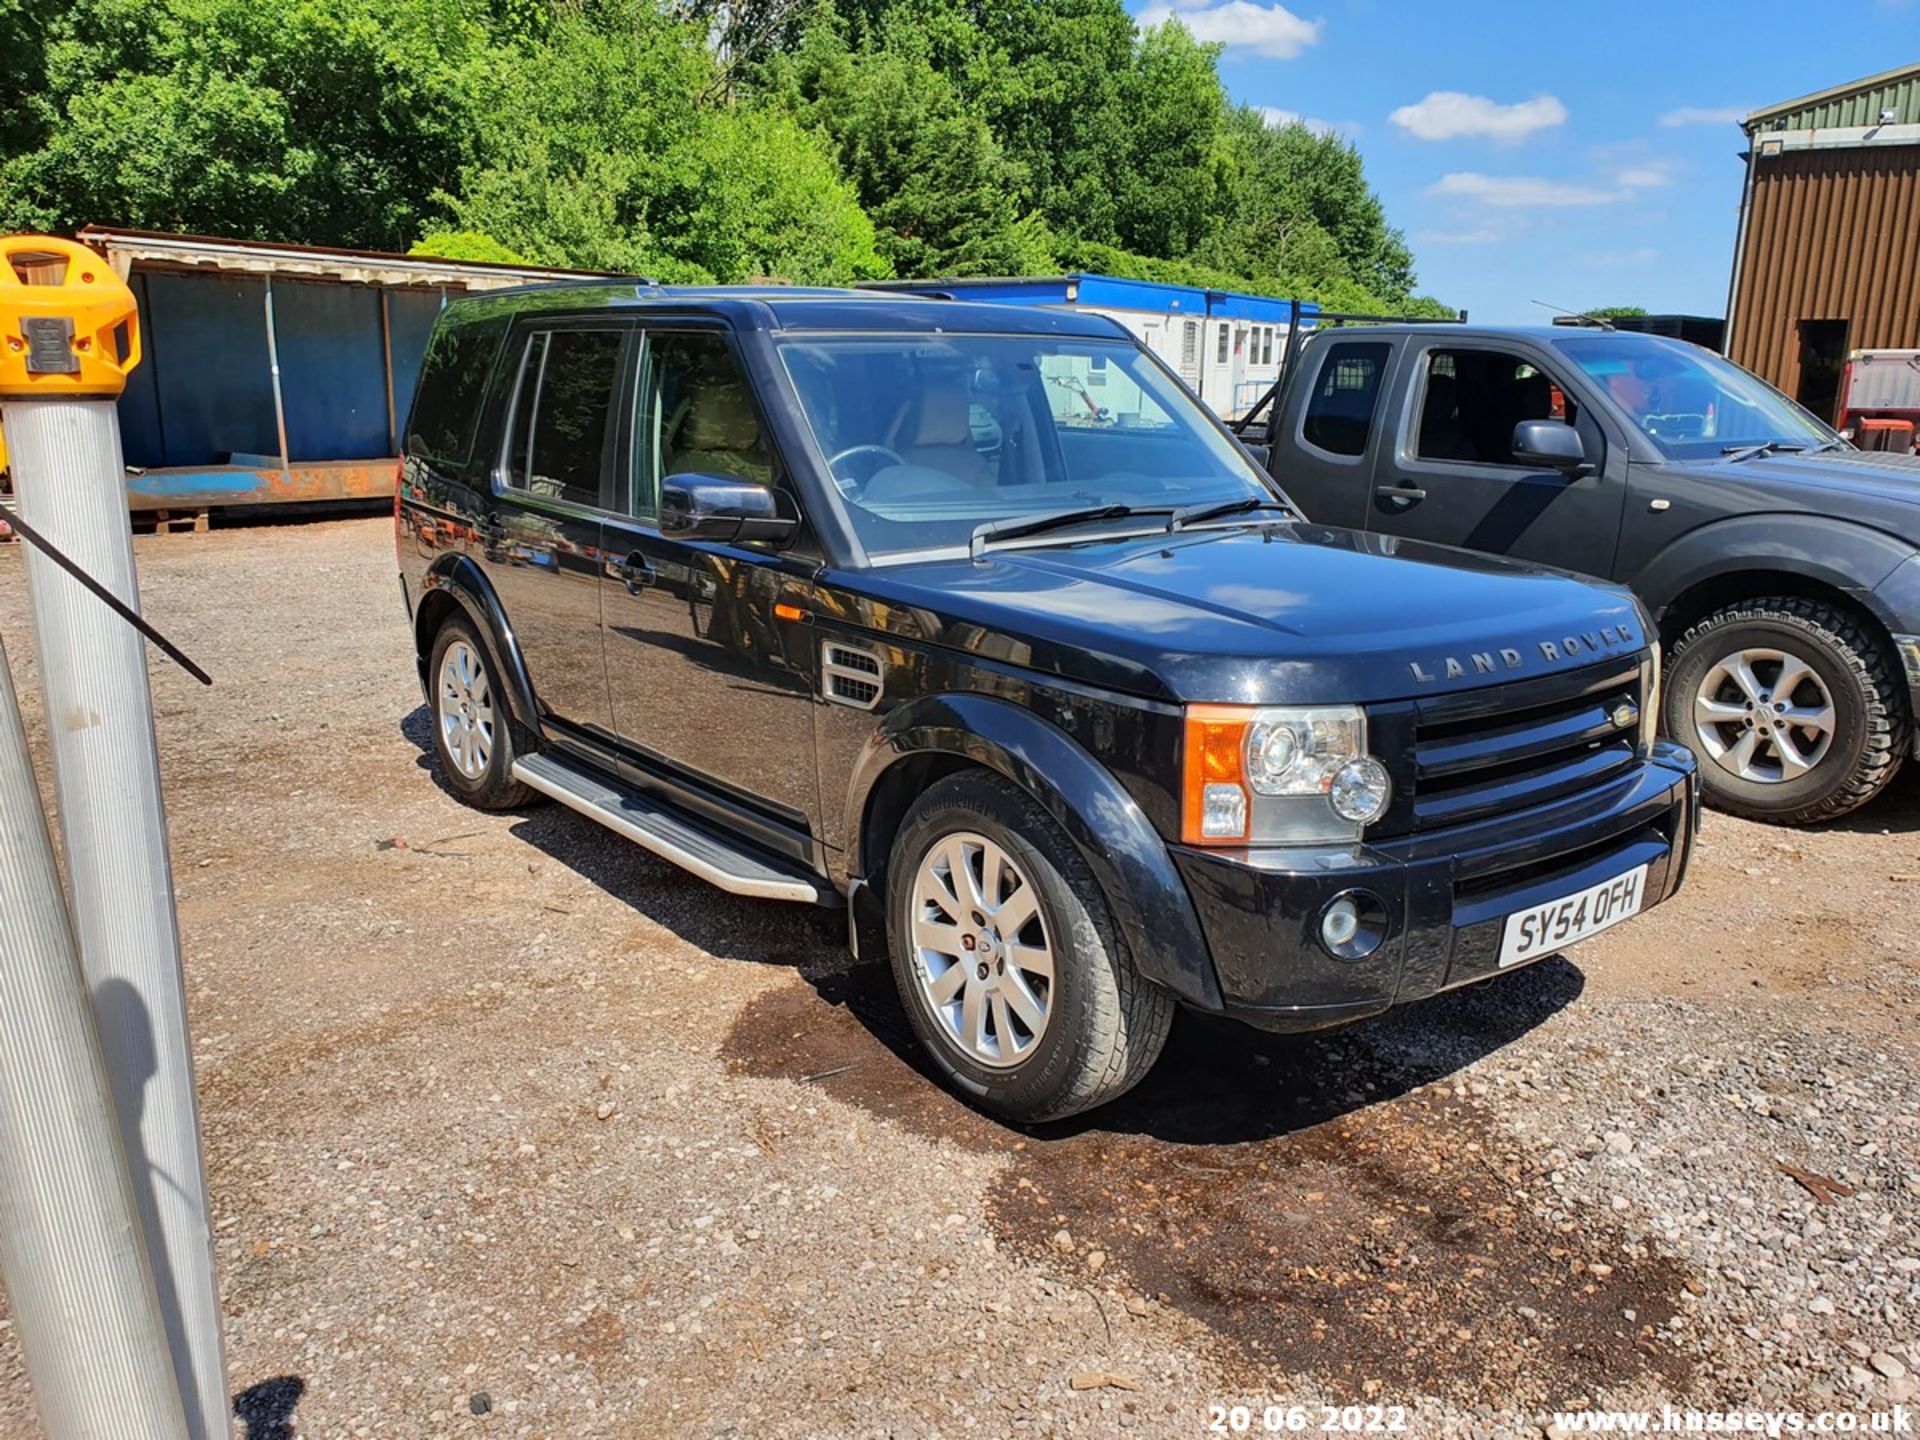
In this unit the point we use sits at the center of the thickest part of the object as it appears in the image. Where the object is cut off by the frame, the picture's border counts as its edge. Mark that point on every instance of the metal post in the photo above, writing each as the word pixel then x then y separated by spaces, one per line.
pixel 386 357
pixel 70 1240
pixel 1752 158
pixel 56 400
pixel 279 401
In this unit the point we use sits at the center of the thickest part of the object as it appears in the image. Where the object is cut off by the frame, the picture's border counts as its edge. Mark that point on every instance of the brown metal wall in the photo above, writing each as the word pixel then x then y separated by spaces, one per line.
pixel 1831 235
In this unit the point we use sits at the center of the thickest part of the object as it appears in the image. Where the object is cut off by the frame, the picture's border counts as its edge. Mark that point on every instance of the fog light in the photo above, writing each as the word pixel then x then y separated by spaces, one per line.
pixel 1340 924
pixel 1353 925
pixel 1360 791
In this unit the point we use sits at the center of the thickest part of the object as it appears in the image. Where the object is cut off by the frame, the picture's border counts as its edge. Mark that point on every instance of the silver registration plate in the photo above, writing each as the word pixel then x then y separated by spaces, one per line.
pixel 1544 928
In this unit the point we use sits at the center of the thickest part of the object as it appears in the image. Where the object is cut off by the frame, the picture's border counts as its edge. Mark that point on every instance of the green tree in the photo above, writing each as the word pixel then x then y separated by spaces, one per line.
pixel 601 152
pixel 1301 208
pixel 465 245
pixel 1051 79
pixel 1616 312
pixel 330 121
pixel 23 71
pixel 1174 162
pixel 943 197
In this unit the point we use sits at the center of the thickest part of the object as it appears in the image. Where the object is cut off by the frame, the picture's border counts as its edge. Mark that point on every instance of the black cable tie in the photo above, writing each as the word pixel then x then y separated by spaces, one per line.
pixel 113 601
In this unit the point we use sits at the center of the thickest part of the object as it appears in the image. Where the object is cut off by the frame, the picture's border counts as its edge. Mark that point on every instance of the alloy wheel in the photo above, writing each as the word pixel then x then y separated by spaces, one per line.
pixel 981 950
pixel 466 710
pixel 1764 715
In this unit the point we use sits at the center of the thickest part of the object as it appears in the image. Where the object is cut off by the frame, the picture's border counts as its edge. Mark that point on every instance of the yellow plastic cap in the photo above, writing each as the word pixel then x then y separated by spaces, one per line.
pixel 66 320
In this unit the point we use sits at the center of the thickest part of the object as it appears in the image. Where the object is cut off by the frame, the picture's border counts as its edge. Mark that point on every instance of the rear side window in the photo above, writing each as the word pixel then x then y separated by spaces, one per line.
pixel 562 414
pixel 1339 416
pixel 452 384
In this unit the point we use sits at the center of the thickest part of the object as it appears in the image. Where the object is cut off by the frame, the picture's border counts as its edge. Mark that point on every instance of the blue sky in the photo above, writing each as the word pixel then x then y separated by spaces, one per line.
pixel 1577 153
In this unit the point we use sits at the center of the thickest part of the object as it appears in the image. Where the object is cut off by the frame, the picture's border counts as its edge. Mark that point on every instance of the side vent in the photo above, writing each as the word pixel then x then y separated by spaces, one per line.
pixel 850 675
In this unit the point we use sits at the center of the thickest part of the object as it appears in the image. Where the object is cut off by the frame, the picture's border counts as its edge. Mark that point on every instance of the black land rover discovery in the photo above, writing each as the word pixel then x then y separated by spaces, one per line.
pixel 844 598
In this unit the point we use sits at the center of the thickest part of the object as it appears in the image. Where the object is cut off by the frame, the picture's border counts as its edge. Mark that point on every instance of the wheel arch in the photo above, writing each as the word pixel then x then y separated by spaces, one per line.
pixel 928 739
pixel 455 586
pixel 1750 556
pixel 1712 593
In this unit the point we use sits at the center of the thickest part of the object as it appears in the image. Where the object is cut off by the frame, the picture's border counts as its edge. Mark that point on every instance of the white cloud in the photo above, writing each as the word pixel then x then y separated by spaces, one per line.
pixel 1449 115
pixel 1280 119
pixel 1479 235
pixel 1521 191
pixel 1648 175
pixel 1702 115
pixel 1266 29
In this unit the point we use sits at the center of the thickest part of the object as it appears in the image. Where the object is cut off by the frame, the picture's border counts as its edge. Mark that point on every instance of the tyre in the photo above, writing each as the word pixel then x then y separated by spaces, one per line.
pixel 472 731
pixel 1006 957
pixel 1795 707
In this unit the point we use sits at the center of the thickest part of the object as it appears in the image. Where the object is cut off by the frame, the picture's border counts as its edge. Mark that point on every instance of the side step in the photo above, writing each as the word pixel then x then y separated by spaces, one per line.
pixel 734 868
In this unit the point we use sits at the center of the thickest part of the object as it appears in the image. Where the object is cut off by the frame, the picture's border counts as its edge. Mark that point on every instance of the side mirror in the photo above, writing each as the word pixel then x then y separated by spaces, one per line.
pixel 724 508
pixel 1552 443
pixel 1262 454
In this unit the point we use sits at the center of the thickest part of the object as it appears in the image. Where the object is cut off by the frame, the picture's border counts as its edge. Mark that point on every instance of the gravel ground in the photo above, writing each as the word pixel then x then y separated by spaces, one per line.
pixel 514 1130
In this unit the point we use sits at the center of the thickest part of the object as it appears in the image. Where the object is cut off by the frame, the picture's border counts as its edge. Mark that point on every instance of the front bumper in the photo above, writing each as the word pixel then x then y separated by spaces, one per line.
pixel 1896 600
pixel 1446 896
pixel 1908 648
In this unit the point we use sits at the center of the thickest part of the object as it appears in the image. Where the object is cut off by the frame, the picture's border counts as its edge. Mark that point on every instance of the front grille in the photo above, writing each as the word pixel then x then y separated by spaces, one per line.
pixel 1489 752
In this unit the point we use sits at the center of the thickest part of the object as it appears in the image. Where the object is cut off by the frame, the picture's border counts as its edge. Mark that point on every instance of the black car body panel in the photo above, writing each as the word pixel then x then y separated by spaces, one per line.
pixel 707 675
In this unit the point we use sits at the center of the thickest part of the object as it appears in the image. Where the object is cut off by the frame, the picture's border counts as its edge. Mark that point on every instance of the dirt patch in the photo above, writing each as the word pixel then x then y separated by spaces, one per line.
pixel 1321 1212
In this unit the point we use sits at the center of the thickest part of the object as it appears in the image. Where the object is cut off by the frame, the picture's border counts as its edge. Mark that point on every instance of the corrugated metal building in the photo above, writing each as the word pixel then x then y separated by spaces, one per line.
pixel 273 373
pixel 1828 255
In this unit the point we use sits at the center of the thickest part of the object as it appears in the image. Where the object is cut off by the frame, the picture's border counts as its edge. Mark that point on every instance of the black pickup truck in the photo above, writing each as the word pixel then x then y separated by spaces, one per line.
pixel 1781 565
pixel 841 598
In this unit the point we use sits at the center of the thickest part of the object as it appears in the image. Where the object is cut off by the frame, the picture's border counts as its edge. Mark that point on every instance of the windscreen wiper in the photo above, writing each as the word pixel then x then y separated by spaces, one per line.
pixel 994 531
pixel 1190 515
pixel 1765 447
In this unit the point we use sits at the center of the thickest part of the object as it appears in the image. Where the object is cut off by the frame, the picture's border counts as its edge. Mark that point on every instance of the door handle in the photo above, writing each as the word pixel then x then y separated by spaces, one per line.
pixel 635 572
pixel 1411 494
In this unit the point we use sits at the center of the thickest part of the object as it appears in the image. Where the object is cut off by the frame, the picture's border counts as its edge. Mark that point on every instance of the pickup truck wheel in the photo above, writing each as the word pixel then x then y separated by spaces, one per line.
pixel 1794 707
pixel 1006 958
pixel 472 731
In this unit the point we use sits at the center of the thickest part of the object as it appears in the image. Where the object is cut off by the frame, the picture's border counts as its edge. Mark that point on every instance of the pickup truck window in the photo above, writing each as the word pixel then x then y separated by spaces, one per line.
pixel 1472 400
pixel 929 436
pixel 1690 402
pixel 1339 415
pixel 693 415
pixel 561 407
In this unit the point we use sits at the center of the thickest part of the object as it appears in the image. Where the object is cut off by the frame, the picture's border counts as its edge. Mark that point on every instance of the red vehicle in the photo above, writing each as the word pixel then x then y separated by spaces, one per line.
pixel 1879 405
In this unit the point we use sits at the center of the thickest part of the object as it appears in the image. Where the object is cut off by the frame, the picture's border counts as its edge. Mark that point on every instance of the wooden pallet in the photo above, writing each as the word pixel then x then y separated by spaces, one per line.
pixel 171 522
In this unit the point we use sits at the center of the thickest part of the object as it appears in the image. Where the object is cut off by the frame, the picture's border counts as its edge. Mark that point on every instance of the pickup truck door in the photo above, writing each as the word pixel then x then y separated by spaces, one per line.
pixel 1321 446
pixel 1445 470
pixel 709 646
pixel 540 531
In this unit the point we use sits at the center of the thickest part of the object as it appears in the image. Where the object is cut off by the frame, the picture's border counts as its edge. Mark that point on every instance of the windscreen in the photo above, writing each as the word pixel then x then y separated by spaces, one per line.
pixel 1692 403
pixel 930 436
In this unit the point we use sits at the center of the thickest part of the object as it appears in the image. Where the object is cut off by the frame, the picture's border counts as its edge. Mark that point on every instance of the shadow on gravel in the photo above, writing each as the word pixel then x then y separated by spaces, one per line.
pixel 267 1409
pixel 1326 1205
pixel 1895 810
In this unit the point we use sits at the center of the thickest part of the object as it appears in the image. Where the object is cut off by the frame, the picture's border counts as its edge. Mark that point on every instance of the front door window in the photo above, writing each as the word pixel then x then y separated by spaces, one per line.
pixel 1472 400
pixel 694 416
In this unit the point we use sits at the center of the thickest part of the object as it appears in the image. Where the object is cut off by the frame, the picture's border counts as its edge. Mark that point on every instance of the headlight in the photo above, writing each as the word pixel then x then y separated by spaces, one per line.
pixel 1279 775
